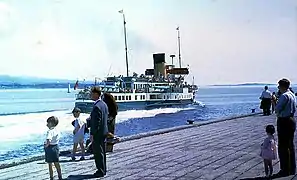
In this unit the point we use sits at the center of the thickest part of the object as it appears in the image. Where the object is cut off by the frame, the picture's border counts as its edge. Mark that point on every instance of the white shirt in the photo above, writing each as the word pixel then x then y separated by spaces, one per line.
pixel 53 135
pixel 266 94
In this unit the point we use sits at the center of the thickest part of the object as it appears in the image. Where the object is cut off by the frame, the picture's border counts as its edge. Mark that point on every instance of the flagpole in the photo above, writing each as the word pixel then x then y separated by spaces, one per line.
pixel 126 49
pixel 179 54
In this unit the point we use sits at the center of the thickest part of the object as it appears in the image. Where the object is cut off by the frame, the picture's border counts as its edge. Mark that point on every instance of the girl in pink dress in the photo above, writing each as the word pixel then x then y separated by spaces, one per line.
pixel 269 150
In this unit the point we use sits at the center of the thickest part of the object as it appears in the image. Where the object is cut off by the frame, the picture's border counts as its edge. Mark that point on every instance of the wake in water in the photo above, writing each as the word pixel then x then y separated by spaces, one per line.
pixel 22 135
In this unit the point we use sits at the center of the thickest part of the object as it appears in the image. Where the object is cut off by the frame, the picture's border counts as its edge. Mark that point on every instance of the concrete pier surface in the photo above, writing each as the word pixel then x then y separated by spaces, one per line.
pixel 219 149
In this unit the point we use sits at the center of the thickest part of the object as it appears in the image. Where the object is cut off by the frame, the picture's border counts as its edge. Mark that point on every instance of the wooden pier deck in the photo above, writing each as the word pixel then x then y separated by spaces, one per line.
pixel 224 150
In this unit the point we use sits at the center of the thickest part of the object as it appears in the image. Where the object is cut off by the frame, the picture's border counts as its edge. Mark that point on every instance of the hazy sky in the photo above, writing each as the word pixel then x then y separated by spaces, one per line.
pixel 223 41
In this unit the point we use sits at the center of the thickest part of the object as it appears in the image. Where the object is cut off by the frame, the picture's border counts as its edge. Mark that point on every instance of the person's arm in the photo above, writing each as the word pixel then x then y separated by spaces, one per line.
pixel 49 137
pixel 261 97
pixel 96 119
pixel 88 122
pixel 281 103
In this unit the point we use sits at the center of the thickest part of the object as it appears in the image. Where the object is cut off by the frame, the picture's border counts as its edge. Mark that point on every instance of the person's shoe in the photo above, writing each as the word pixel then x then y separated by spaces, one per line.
pixel 98 174
pixel 268 177
pixel 82 158
pixel 73 158
pixel 280 174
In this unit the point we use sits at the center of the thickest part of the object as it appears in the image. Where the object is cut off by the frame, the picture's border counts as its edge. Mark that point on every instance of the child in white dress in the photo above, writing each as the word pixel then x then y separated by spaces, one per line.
pixel 78 134
pixel 269 150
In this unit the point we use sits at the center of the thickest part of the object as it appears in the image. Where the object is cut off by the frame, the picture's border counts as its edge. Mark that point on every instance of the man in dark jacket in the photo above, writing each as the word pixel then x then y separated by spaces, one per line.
pixel 98 131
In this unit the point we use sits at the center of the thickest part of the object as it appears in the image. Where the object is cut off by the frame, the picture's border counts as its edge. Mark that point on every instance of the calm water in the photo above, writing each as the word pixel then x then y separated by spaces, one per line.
pixel 24 113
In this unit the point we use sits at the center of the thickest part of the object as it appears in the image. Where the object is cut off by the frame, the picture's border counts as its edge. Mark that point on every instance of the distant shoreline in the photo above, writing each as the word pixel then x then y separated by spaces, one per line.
pixel 65 85
pixel 40 86
pixel 245 84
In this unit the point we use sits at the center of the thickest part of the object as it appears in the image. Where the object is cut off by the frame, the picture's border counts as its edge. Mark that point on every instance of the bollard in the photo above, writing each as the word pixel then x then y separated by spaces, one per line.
pixel 190 121
pixel 253 110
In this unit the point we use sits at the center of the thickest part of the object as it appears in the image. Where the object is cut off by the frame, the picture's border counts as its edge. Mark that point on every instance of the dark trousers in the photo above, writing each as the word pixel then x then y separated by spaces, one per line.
pixel 99 154
pixel 266 106
pixel 286 150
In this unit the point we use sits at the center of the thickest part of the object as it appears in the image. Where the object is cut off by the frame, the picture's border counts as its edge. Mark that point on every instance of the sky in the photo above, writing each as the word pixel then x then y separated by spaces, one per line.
pixel 222 41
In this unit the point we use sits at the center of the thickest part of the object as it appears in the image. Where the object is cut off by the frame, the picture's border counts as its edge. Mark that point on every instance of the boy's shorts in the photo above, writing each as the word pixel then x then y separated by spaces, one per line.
pixel 52 153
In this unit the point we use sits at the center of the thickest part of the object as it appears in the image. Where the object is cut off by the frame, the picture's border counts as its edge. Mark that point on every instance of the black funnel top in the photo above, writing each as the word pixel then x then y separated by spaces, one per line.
pixel 159 58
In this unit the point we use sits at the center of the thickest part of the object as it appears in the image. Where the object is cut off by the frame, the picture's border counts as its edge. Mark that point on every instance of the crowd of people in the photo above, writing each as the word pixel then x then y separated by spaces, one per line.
pixel 100 125
pixel 284 106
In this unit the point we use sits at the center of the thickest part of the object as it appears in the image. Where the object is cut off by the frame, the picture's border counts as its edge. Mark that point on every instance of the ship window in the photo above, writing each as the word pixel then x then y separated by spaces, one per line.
pixel 123 97
pixel 129 97
pixel 153 96
pixel 126 97
pixel 120 98
pixel 135 97
pixel 159 96
pixel 143 97
pixel 115 97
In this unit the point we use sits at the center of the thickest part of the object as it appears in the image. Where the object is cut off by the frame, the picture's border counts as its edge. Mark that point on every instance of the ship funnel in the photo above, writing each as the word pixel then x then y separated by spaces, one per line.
pixel 159 65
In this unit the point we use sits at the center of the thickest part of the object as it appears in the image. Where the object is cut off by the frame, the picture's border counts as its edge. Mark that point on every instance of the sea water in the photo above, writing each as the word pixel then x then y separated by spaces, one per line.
pixel 23 114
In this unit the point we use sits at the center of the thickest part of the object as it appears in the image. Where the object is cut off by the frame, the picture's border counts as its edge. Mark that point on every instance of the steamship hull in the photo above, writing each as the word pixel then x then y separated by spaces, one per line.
pixel 87 105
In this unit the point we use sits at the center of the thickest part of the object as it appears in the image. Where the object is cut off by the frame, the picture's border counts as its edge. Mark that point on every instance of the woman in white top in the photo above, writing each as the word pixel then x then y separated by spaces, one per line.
pixel 78 134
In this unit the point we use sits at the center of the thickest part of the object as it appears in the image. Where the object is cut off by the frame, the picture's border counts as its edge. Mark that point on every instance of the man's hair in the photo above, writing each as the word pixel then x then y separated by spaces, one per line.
pixel 76 109
pixel 266 87
pixel 53 120
pixel 270 129
pixel 96 89
pixel 285 83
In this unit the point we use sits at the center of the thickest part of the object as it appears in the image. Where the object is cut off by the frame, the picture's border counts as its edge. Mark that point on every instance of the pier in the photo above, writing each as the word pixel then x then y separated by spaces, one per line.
pixel 225 149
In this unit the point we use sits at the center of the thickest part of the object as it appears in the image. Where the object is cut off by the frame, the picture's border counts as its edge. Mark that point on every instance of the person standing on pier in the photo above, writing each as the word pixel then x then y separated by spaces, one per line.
pixel 78 134
pixel 98 131
pixel 286 126
pixel 266 101
pixel 112 113
pixel 269 150
pixel 51 147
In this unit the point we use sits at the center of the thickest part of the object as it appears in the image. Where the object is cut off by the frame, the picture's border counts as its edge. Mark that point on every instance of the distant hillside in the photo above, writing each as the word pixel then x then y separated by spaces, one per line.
pixel 245 84
pixel 25 80
pixel 9 82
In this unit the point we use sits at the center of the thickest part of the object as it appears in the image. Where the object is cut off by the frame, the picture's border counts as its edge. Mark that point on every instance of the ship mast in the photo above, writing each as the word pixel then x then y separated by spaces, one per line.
pixel 126 49
pixel 178 39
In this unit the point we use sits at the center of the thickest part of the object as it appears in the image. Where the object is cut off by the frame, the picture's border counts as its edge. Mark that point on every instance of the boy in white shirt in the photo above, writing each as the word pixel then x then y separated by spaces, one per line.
pixel 51 147
pixel 78 134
